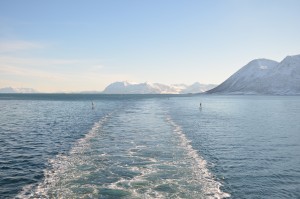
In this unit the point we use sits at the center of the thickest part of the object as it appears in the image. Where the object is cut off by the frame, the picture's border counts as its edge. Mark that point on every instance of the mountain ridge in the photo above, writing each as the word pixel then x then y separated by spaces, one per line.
pixel 264 76
pixel 258 77
pixel 17 90
pixel 125 87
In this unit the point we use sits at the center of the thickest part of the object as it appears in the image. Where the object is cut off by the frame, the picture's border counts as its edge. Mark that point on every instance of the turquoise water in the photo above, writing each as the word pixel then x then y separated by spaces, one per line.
pixel 152 146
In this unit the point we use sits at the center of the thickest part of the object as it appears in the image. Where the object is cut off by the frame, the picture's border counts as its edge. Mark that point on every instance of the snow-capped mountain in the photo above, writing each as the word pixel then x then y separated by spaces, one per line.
pixel 17 90
pixel 129 88
pixel 155 88
pixel 197 88
pixel 263 76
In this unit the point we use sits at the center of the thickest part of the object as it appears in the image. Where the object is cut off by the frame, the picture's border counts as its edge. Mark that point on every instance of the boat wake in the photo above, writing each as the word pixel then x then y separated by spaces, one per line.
pixel 210 187
pixel 119 158
pixel 63 165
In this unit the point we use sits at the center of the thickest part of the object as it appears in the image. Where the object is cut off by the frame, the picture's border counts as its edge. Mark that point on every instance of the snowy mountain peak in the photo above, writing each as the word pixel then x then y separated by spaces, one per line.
pixel 262 64
pixel 263 76
pixel 291 62
pixel 291 57
pixel 125 83
pixel 154 88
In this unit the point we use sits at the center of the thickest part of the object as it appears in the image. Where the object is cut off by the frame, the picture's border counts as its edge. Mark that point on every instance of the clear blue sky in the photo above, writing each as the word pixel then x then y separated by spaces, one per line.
pixel 84 45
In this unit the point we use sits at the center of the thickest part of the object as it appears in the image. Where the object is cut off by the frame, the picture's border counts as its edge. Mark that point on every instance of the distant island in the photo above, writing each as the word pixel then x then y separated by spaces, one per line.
pixel 258 77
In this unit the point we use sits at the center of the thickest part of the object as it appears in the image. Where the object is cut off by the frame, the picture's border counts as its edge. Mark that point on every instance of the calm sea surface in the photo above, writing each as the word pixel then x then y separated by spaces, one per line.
pixel 149 146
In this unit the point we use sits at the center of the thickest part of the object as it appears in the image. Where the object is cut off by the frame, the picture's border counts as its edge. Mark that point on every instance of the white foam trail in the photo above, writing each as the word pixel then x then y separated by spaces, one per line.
pixel 211 187
pixel 25 190
pixel 59 164
pixel 57 180
pixel 148 194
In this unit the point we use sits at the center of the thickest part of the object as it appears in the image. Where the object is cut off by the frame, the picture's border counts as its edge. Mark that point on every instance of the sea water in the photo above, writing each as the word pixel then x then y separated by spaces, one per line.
pixel 149 146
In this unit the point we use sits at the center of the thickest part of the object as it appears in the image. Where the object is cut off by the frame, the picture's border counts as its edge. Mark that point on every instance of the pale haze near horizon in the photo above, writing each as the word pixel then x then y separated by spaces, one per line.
pixel 68 46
